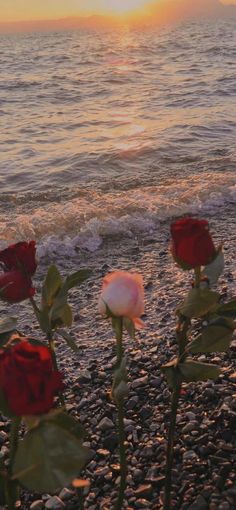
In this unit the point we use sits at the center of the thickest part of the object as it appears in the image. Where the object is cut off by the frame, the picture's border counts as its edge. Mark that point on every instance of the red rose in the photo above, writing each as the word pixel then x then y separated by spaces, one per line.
pixel 15 287
pixel 192 243
pixel 27 379
pixel 20 256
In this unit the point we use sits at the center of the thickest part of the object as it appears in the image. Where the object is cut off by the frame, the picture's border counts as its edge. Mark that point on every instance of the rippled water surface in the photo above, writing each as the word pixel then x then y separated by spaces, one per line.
pixel 106 133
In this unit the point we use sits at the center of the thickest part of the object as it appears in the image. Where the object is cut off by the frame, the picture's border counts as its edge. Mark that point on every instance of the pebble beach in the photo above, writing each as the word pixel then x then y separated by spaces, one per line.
pixel 204 474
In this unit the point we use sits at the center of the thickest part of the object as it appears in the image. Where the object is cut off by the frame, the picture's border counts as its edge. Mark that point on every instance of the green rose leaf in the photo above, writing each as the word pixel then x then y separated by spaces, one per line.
pixel 43 319
pixel 195 371
pixel 198 303
pixel 7 326
pixel 171 372
pixel 228 309
pixel 216 337
pixel 69 340
pixel 49 457
pixel 76 278
pixel 51 286
pixel 67 422
pixel 213 270
pixel 61 316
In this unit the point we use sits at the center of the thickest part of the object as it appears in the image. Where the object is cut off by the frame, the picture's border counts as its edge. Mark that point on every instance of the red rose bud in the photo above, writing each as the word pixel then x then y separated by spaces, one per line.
pixel 20 256
pixel 15 287
pixel 192 245
pixel 27 379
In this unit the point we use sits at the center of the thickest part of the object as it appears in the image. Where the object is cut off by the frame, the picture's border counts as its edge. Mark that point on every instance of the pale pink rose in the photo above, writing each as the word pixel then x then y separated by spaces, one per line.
pixel 123 293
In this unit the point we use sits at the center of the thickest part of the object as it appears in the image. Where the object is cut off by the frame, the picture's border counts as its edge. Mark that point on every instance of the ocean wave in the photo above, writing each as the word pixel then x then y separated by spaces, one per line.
pixel 84 222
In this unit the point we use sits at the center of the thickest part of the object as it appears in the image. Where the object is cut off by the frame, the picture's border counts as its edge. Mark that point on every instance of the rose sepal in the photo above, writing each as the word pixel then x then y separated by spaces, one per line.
pixel 215 268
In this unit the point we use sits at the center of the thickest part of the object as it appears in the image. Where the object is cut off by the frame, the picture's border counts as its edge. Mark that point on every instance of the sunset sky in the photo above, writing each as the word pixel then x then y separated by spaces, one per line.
pixel 18 10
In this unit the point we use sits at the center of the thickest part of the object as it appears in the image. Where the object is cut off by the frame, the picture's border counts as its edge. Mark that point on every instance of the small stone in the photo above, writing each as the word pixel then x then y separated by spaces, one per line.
pixel 232 377
pixel 191 416
pixel 103 453
pixel 142 503
pixel 54 503
pixel 189 456
pixel 101 471
pixel 224 506
pixel 156 382
pixel 141 381
pixel 144 490
pixel 111 442
pixel 3 437
pixel 37 505
pixel 137 475
pixel 66 494
pixel 105 424
pixel 199 504
pixel 84 376
pixel 193 425
pixel 132 402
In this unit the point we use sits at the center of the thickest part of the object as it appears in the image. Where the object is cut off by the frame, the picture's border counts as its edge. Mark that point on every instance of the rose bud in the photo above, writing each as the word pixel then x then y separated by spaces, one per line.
pixel 20 256
pixel 15 287
pixel 123 294
pixel 27 379
pixel 192 245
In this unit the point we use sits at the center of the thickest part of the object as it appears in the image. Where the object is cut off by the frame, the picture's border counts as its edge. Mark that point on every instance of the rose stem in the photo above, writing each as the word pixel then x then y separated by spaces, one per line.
pixel 54 362
pixel 80 498
pixel 121 428
pixel 12 485
pixel 181 333
pixel 50 344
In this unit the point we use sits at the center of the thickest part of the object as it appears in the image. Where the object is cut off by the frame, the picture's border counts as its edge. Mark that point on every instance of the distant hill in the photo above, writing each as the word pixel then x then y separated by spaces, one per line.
pixel 176 10
pixel 165 11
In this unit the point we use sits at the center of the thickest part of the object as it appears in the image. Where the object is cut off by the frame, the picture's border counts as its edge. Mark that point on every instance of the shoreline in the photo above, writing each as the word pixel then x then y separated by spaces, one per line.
pixel 204 457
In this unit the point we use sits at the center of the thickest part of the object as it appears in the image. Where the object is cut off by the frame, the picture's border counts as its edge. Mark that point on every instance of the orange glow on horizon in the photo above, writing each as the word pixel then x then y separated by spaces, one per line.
pixel 122 7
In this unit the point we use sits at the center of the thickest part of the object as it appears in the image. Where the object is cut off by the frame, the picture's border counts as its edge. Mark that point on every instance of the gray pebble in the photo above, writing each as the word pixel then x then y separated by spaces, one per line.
pixel 37 505
pixel 54 503
pixel 105 424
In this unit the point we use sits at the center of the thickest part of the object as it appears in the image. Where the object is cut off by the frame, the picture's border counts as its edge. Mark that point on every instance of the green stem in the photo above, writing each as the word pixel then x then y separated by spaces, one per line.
pixel 54 362
pixel 80 499
pixel 123 462
pixel 182 331
pixel 170 447
pixel 35 308
pixel 197 272
pixel 12 486
pixel 121 427
pixel 50 345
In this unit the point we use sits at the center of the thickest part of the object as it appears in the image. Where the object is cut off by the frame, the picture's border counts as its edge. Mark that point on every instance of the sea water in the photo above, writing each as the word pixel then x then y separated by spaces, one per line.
pixel 109 132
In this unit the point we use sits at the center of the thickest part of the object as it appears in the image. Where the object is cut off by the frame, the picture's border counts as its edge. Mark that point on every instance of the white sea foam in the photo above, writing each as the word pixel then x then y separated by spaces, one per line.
pixel 85 222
